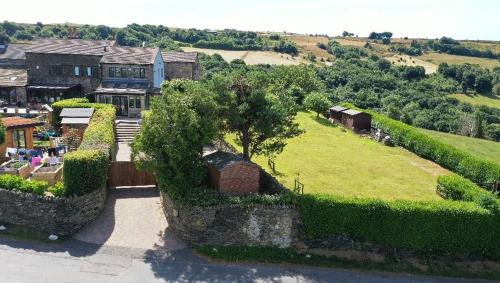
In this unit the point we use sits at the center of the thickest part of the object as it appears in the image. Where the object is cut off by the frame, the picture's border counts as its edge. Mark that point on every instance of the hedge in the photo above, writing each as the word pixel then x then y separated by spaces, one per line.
pixel 437 226
pixel 455 187
pixel 86 169
pixel 16 183
pixel 478 170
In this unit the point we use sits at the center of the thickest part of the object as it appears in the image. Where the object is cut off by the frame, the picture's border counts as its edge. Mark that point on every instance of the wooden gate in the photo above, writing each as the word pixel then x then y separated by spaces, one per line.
pixel 124 174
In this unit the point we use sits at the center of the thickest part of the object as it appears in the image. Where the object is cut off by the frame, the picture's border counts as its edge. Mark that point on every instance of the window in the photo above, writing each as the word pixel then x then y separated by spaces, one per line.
pixel 77 71
pixel 112 72
pixel 89 72
pixel 138 102
pixel 19 138
pixel 142 73
pixel 123 73
pixel 135 73
pixel 134 102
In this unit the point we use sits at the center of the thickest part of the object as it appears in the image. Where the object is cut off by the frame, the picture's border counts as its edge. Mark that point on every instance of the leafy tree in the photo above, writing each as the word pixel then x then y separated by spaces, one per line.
pixel 173 133
pixel 384 64
pixel 4 38
pixel 483 84
pixel 262 120
pixel 317 102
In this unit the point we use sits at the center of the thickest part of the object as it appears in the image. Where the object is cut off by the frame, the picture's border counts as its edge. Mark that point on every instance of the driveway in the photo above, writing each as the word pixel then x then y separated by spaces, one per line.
pixel 131 218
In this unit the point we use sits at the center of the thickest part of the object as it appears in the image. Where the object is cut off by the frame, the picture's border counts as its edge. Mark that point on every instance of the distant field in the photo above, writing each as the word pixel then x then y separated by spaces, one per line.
pixel 477 99
pixel 251 57
pixel 405 60
pixel 485 149
pixel 308 43
pixel 334 161
pixel 437 59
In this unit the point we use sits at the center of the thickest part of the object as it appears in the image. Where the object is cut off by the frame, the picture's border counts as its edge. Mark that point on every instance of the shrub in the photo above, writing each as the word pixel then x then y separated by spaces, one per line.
pixel 16 183
pixel 58 190
pixel 85 171
pixel 437 226
pixel 478 170
pixel 455 187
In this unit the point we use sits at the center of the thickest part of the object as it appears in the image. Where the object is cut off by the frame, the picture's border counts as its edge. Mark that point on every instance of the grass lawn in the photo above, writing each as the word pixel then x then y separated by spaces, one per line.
pixel 334 161
pixel 485 149
pixel 251 57
pixel 478 99
pixel 438 58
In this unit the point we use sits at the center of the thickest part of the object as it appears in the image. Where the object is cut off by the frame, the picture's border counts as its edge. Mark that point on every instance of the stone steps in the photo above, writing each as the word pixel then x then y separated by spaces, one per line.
pixel 126 131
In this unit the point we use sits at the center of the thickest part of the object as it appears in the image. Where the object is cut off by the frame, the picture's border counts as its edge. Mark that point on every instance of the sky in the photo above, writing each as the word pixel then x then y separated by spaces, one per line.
pixel 460 19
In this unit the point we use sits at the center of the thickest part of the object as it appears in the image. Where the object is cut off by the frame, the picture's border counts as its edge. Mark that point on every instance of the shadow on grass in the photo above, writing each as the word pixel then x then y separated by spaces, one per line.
pixel 323 121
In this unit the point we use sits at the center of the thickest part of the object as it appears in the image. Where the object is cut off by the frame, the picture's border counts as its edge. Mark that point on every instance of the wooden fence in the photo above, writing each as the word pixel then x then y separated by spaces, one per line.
pixel 124 174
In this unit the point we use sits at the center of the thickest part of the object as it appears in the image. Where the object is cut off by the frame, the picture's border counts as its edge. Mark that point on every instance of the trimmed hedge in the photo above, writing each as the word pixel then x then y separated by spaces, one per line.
pixel 86 169
pixel 437 226
pixel 478 170
pixel 455 187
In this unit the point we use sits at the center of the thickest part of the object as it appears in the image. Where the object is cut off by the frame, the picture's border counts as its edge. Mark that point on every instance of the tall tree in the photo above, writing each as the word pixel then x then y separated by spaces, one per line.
pixel 262 120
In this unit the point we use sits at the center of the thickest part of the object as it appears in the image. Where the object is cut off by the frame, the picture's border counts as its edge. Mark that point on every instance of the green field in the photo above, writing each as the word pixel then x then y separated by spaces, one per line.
pixel 331 160
pixel 438 58
pixel 477 99
pixel 485 149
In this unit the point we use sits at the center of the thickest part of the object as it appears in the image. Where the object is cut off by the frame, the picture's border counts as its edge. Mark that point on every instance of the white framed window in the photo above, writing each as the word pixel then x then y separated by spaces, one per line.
pixel 89 71
pixel 77 71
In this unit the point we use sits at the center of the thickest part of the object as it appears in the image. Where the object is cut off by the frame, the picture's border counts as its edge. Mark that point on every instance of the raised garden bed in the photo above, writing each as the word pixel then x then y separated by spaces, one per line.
pixel 17 168
pixel 50 174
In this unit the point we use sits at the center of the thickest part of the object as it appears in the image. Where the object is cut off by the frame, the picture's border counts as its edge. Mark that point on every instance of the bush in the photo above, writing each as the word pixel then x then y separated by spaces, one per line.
pixel 437 226
pixel 455 187
pixel 85 171
pixel 58 190
pixel 477 170
pixel 16 183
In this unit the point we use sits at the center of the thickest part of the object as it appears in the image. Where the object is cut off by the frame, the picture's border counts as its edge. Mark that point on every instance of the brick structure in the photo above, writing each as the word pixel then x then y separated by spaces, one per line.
pixel 356 120
pixel 13 74
pixel 232 175
pixel 181 65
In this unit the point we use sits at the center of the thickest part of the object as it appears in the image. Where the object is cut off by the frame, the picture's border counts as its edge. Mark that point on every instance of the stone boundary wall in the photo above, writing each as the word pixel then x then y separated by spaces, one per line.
pixel 226 224
pixel 60 216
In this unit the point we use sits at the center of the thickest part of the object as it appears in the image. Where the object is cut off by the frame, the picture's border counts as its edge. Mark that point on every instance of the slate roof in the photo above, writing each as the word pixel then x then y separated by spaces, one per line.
pixel 11 52
pixel 77 112
pixel 70 46
pixel 178 57
pixel 13 77
pixel 19 122
pixel 222 159
pixel 130 55
pixel 352 112
pixel 338 108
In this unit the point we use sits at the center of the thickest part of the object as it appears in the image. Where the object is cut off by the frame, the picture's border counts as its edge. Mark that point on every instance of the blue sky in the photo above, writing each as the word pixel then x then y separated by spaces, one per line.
pixel 461 19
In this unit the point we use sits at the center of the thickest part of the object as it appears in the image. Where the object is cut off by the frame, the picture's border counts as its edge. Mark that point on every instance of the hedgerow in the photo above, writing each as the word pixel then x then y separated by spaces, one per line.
pixel 478 170
pixel 455 187
pixel 437 226
pixel 86 169
pixel 16 183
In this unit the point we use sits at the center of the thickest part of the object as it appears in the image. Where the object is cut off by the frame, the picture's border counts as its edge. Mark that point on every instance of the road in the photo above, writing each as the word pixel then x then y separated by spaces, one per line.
pixel 76 261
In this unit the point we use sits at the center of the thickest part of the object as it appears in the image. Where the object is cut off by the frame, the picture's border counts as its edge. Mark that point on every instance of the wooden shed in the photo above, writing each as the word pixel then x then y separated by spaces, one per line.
pixel 231 174
pixel 356 120
pixel 18 133
pixel 336 113
pixel 75 118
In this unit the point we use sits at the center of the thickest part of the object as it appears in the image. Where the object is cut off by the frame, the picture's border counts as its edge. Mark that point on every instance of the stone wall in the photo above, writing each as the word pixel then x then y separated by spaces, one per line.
pixel 181 70
pixel 244 225
pixel 61 216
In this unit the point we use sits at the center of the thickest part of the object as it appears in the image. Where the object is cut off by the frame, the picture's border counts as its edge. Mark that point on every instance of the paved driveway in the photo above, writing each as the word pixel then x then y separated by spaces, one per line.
pixel 132 218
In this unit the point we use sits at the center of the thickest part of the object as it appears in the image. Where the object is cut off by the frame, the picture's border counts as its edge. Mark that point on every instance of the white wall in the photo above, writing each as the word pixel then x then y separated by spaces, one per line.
pixel 158 70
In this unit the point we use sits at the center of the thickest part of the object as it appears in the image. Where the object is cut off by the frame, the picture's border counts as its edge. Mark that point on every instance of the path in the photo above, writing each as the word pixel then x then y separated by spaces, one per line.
pixel 126 130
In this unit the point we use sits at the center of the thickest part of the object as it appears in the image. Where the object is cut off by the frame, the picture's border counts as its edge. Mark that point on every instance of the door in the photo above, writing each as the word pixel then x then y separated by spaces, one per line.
pixel 124 174
pixel 121 104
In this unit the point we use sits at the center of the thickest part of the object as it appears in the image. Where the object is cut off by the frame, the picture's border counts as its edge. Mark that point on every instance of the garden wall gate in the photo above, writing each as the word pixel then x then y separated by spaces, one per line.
pixel 125 174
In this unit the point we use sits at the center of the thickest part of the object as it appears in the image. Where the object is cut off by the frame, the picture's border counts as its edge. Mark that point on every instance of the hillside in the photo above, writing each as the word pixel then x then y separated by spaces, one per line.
pixel 332 160
pixel 478 99
pixel 484 149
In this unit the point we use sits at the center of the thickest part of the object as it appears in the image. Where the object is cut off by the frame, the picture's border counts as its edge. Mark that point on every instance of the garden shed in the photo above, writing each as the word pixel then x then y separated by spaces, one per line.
pixel 231 174
pixel 356 120
pixel 18 133
pixel 75 118
pixel 336 113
